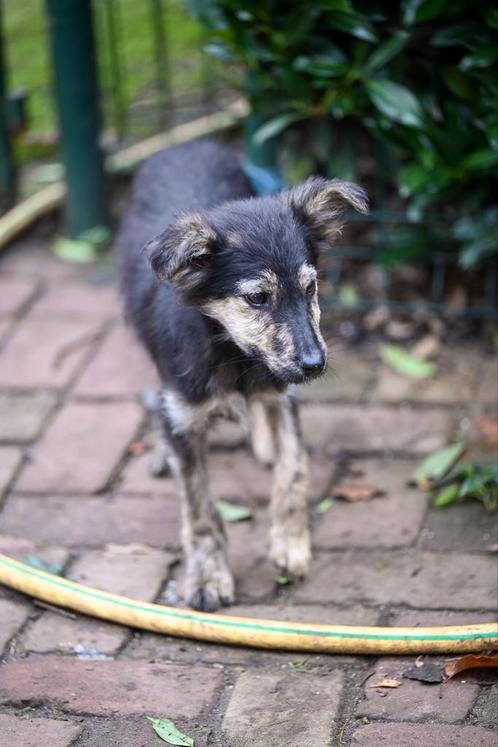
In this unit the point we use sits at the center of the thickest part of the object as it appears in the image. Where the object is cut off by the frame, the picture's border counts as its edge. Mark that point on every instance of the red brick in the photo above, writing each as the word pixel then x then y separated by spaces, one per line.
pixel 413 700
pixel 10 459
pixel 420 735
pixel 464 527
pixel 36 732
pixel 81 448
pixel 391 520
pixel 93 521
pixel 248 557
pixel 454 383
pixel 347 378
pixel 136 572
pixel 131 732
pixel 235 475
pixel 22 415
pixel 45 352
pixel 78 299
pixel 418 579
pixel 14 294
pixel 487 393
pixel 105 688
pixel 267 709
pixel 12 616
pixel 121 368
pixel 360 428
pixel 5 325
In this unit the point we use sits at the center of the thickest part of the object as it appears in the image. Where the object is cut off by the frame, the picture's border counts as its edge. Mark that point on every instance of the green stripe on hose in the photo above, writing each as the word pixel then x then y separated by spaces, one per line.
pixel 249 625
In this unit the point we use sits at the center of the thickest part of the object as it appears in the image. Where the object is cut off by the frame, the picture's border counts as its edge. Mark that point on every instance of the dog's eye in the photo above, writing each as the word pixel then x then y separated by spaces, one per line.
pixel 310 290
pixel 257 299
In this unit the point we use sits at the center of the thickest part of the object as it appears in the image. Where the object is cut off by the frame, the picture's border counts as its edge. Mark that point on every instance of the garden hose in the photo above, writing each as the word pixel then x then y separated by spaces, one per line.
pixel 244 631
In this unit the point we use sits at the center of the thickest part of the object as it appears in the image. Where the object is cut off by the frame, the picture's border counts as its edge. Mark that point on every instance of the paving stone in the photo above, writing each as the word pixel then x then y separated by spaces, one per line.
pixel 454 383
pixel 348 376
pixel 248 556
pixel 22 415
pixel 78 299
pixel 10 459
pixel 130 732
pixel 361 428
pixel 36 732
pixel 106 688
pixel 14 294
pixel 136 572
pixel 267 709
pixel 414 735
pixel 466 527
pixel 413 700
pixel 486 708
pixel 22 548
pixel 81 448
pixel 487 392
pixel 5 325
pixel 415 618
pixel 120 368
pixel 159 647
pixel 226 434
pixel 235 476
pixel 418 579
pixel 391 520
pixel 70 521
pixel 45 352
pixel 12 616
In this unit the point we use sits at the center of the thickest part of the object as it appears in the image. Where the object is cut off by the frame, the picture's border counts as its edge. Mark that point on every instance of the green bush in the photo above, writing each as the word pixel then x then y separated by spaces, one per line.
pixel 417 79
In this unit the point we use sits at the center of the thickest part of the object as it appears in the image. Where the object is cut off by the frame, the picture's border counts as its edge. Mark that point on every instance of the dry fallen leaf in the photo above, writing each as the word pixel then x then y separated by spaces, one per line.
pixel 488 427
pixel 137 448
pixel 386 682
pixel 355 492
pixel 428 671
pixel 470 661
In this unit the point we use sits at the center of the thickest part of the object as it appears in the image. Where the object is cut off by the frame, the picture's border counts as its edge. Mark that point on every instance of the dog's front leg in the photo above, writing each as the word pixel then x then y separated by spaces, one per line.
pixel 290 546
pixel 208 579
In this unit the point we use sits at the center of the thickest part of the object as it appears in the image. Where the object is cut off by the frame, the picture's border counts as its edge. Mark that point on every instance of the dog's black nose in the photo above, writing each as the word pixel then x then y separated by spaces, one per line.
pixel 313 363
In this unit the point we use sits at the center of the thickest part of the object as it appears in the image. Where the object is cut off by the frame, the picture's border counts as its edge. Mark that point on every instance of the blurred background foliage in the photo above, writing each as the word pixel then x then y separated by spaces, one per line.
pixel 412 85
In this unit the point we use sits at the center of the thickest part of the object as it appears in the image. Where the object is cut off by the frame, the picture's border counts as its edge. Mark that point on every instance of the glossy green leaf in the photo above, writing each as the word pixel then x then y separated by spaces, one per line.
pixel 324 505
pixel 405 363
pixel 437 465
pixel 275 126
pixel 233 512
pixel 395 101
pixel 168 732
pixel 354 24
pixel 449 494
pixel 386 52
pixel 71 250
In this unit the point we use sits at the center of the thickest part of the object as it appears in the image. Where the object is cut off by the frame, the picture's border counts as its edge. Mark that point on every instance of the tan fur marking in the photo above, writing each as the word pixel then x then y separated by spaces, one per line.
pixel 253 329
pixel 266 282
pixel 306 275
pixel 289 533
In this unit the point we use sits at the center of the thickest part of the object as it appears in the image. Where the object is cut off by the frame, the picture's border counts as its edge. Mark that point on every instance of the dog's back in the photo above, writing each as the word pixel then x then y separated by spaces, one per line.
pixel 196 175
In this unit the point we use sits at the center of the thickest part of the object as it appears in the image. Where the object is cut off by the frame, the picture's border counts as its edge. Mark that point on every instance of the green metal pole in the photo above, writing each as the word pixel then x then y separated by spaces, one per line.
pixel 73 50
pixel 7 168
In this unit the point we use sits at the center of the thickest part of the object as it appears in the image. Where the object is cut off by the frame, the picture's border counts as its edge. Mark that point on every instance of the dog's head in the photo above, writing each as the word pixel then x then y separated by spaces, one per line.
pixel 251 266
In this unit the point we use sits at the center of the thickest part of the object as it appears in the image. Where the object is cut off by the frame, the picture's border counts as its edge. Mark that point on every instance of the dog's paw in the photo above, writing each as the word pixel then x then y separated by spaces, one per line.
pixel 290 553
pixel 209 582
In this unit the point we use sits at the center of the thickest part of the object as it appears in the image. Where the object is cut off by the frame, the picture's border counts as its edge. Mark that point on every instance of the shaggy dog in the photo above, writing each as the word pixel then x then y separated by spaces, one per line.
pixel 221 288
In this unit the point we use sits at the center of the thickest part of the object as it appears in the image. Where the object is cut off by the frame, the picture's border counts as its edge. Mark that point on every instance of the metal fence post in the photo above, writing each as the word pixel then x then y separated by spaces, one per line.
pixel 7 167
pixel 73 50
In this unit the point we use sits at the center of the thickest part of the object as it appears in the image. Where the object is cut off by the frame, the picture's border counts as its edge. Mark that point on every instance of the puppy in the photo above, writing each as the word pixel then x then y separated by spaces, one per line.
pixel 221 288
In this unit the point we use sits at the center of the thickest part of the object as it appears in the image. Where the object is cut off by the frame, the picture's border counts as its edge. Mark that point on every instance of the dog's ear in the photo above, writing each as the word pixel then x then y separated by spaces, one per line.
pixel 182 252
pixel 320 204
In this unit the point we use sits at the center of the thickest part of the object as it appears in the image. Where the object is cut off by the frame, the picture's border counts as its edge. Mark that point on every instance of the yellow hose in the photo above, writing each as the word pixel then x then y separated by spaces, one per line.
pixel 244 631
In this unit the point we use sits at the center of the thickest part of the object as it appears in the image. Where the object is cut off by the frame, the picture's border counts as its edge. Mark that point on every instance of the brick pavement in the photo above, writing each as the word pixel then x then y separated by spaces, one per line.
pixel 72 494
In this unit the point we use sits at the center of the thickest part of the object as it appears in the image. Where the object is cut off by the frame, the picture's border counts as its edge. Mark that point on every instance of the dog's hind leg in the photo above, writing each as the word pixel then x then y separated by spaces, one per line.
pixel 290 547
pixel 262 426
pixel 208 579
